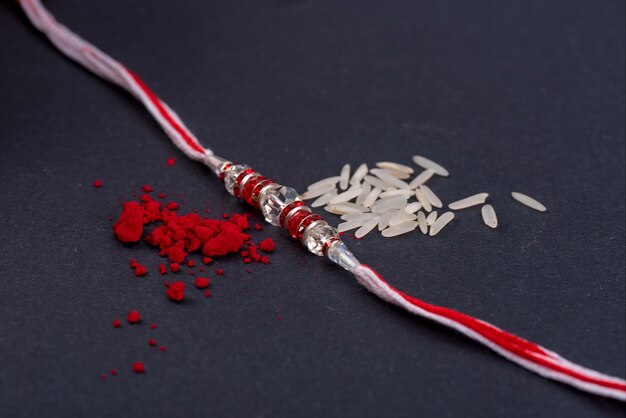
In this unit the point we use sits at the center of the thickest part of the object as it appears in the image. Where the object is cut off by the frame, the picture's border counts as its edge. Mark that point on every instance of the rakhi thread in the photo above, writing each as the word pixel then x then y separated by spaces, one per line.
pixel 282 206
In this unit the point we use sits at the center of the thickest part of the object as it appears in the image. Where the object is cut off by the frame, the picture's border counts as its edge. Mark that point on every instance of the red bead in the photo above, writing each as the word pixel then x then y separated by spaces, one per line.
pixel 291 206
pixel 295 220
pixel 305 223
pixel 239 179
pixel 246 193
pixel 327 244
pixel 254 199
pixel 223 170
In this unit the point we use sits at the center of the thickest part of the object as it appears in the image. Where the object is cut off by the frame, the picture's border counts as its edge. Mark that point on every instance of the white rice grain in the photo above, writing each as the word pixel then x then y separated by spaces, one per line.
pixel 413 207
pixel 343 208
pixel 419 194
pixel 477 199
pixel 528 201
pixel 320 190
pixel 388 165
pixel 357 216
pixel 396 192
pixel 421 220
pixel 371 198
pixel 401 217
pixel 421 178
pixel 429 164
pixel 329 180
pixel 489 216
pixel 359 174
pixel 376 182
pixel 431 196
pixel 346 226
pixel 346 196
pixel 399 229
pixel 431 218
pixel 324 199
pixel 385 177
pixel 345 177
pixel 366 188
pixel 442 221
pixel 366 228
pixel 384 219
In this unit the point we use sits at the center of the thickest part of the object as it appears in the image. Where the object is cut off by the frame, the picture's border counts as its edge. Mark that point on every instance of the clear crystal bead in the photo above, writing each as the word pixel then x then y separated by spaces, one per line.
pixel 316 235
pixel 231 175
pixel 273 199
pixel 339 254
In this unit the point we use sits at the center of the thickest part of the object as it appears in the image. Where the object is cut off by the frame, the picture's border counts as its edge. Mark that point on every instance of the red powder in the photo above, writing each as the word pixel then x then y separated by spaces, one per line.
pixel 117 323
pixel 191 273
pixel 258 227
pixel 162 349
pixel 207 293
pixel 264 259
pixel 247 260
pixel 174 267
pixel 191 263
pixel 113 372
pixel 133 263
pixel 138 367
pixel 219 272
pixel 129 226
pixel 162 269
pixel 140 271
pixel 170 161
pixel 161 195
pixel 202 282
pixel 97 184
pixel 152 342
pixel 248 271
pixel 267 245
pixel 134 317
pixel 152 326
pixel 172 206
pixel 147 188
pixel 176 291
pixel 207 260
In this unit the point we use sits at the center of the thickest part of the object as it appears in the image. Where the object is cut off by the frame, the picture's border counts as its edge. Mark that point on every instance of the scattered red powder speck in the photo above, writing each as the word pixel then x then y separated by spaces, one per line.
pixel 134 317
pixel 176 291
pixel 248 271
pixel 219 272
pixel 138 367
pixel 133 263
pixel 140 271
pixel 162 349
pixel 103 377
pixel 264 259
pixel 117 323
pixel 191 263
pixel 267 245
pixel 113 372
pixel 247 260
pixel 97 184
pixel 170 161
pixel 201 269
pixel 152 342
pixel 162 269
pixel 225 215
pixel 207 293
pixel 172 206
pixel 207 260
pixel 146 188
pixel 129 226
pixel 202 282
pixel 152 326
pixel 258 227
pixel 174 267
pixel 161 195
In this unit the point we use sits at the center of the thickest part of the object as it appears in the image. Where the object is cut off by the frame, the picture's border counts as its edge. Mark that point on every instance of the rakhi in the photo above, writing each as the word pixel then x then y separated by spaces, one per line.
pixel 282 206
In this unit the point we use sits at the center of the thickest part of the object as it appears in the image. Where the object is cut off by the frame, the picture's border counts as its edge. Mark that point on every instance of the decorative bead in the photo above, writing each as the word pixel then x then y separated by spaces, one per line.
pixel 317 235
pixel 256 190
pixel 245 174
pixel 231 174
pixel 294 221
pixel 338 253
pixel 273 199
pixel 305 224
pixel 287 210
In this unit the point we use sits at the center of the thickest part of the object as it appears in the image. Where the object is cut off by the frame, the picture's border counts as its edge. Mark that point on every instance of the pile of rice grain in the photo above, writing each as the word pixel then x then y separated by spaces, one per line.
pixel 383 197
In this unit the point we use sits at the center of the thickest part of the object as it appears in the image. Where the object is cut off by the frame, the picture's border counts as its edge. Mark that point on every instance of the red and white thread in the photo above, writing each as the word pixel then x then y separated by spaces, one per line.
pixel 522 352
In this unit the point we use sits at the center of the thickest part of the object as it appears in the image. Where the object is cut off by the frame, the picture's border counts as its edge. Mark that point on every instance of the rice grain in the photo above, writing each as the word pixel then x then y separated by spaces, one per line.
pixel 399 229
pixel 345 177
pixel 442 221
pixel 528 201
pixel 477 199
pixel 366 228
pixel 489 216
pixel 431 196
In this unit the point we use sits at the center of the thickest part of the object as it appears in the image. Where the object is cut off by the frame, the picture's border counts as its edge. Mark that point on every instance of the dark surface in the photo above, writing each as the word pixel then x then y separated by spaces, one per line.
pixel 525 95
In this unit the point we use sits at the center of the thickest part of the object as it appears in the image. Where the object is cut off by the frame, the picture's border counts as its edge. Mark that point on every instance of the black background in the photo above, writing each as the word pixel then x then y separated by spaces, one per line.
pixel 508 95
